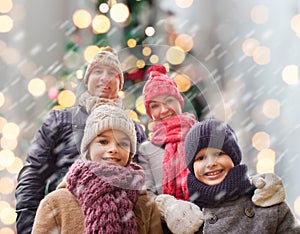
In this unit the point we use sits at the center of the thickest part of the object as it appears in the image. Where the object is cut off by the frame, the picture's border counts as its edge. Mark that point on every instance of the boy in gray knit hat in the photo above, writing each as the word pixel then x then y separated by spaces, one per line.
pixel 220 185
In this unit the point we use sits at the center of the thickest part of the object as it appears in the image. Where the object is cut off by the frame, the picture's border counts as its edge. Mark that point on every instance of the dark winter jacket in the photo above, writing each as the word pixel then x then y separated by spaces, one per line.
pixel 55 147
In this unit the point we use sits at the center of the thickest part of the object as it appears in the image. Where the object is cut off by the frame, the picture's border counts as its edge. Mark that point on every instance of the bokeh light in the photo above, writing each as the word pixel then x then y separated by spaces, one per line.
pixel 101 24
pixel 79 74
pixel 3 122
pixel 139 105
pixel 271 108
pixel 262 55
pixel 119 12
pixel 131 43
pixel 15 166
pixel 6 6
pixel 185 42
pixel 297 205
pixel 90 52
pixel 82 18
pixel 2 99
pixel 175 55
pixel 9 144
pixel 6 230
pixel 53 93
pixel 66 98
pixel 10 55
pixel 6 23
pixel 7 158
pixel 259 14
pixel 261 140
pixel 140 63
pixel 295 24
pixel 10 130
pixel 154 58
pixel 37 87
pixel 183 82
pixel 184 3
pixel 7 185
pixel 249 45
pixel 133 115
pixel 103 8
pixel 290 74
pixel 146 51
pixel 150 31
pixel 266 161
pixel 8 215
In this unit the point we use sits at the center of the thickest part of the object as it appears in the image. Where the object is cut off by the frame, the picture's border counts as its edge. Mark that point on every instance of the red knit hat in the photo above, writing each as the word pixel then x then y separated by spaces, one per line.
pixel 157 84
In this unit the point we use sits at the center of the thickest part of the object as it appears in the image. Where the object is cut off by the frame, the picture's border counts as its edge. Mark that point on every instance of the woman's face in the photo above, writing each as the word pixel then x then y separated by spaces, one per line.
pixel 212 165
pixel 110 147
pixel 164 107
pixel 104 82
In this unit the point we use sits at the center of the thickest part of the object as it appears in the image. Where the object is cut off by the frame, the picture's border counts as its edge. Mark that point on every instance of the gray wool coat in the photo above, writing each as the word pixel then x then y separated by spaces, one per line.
pixel 242 216
pixel 150 158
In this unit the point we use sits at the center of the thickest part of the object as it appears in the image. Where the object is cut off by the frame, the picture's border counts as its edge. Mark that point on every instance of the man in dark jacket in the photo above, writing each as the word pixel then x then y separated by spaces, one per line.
pixel 57 143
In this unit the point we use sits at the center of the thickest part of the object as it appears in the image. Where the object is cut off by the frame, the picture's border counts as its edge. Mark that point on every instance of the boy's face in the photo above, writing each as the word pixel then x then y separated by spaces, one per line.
pixel 164 107
pixel 212 165
pixel 110 147
pixel 104 82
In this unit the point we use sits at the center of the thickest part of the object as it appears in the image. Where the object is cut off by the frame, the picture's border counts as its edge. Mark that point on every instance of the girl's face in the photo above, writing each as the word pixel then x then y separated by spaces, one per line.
pixel 212 165
pixel 164 107
pixel 110 147
pixel 104 82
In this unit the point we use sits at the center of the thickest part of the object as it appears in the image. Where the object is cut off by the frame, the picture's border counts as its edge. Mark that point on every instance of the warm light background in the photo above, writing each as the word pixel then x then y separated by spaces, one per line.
pixel 250 51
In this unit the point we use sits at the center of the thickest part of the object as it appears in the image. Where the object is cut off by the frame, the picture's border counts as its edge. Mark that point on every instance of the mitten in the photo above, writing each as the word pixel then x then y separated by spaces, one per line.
pixel 181 217
pixel 270 190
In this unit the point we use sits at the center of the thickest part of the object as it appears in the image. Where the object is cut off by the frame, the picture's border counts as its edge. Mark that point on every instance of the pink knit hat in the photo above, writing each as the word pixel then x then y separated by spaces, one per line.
pixel 157 84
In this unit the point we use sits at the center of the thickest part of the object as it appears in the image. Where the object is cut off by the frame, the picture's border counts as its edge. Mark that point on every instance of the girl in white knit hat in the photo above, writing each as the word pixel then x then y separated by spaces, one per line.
pixel 103 190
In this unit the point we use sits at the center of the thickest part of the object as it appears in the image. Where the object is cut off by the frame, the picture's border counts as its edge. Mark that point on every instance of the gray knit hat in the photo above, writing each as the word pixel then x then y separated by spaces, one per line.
pixel 107 56
pixel 103 118
pixel 215 134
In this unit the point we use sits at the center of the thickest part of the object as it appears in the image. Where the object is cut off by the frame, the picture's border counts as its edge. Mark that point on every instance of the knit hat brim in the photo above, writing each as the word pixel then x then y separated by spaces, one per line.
pixel 159 84
pixel 104 118
pixel 107 56
pixel 211 134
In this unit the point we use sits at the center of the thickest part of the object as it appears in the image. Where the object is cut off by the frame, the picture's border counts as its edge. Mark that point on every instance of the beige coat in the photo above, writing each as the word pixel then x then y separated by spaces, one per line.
pixel 59 212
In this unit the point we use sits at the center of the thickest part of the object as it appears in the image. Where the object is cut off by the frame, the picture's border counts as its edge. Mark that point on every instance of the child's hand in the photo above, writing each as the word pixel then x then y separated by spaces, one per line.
pixel 182 217
pixel 270 190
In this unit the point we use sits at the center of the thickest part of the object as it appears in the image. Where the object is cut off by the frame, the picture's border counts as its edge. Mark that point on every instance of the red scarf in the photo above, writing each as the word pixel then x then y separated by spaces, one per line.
pixel 172 133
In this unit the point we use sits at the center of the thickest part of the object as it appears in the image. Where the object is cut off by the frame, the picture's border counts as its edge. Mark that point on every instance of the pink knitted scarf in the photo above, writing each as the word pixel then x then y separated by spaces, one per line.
pixel 172 133
pixel 107 195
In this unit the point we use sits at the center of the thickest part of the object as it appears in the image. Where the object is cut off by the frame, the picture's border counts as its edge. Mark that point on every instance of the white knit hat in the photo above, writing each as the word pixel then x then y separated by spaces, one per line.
pixel 107 56
pixel 104 118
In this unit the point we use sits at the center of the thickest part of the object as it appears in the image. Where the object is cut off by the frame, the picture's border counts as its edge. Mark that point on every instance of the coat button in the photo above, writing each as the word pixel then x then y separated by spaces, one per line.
pixel 212 218
pixel 249 212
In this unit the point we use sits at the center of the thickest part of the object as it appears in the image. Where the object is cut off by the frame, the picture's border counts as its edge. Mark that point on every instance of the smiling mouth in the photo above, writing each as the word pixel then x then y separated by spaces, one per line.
pixel 213 173
pixel 167 117
pixel 111 159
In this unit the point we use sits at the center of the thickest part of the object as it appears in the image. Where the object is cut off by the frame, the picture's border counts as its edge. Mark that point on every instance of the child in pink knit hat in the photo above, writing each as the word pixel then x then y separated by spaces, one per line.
pixel 102 192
